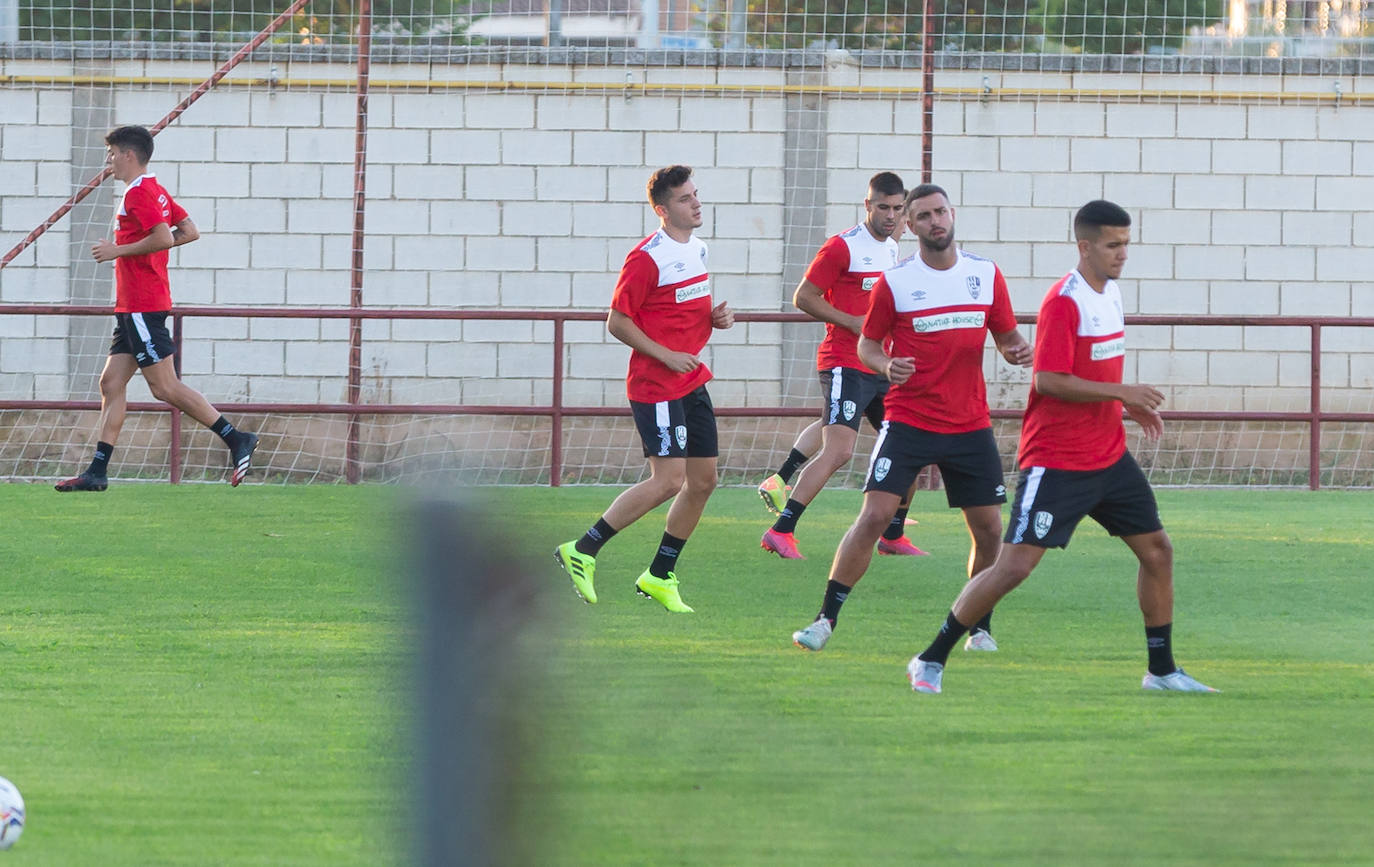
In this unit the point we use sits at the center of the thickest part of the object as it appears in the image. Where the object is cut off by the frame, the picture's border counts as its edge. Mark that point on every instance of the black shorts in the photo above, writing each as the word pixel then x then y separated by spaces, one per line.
pixel 1050 503
pixel 852 395
pixel 144 336
pixel 968 462
pixel 681 428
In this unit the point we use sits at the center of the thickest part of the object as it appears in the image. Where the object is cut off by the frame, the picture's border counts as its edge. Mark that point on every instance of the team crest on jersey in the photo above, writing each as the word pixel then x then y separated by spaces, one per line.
pixel 975 287
pixel 880 468
pixel 694 291
pixel 681 433
pixel 1043 522
pixel 849 409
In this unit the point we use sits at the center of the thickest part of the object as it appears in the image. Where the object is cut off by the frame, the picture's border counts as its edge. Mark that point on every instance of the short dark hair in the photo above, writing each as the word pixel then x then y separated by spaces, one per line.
pixel 886 184
pixel 665 179
pixel 132 138
pixel 923 190
pixel 1088 222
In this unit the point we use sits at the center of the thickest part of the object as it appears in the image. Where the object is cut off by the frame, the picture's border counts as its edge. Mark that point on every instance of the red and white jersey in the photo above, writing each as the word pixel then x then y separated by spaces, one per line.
pixel 141 281
pixel 846 269
pixel 665 289
pixel 941 319
pixel 1082 332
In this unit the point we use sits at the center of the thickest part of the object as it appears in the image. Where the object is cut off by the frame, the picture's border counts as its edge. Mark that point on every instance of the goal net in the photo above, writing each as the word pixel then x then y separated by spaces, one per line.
pixel 497 160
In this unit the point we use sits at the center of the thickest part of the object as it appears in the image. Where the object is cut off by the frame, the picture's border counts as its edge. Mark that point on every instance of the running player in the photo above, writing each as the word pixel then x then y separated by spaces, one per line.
pixel 150 222
pixel 1073 456
pixel 662 310
pixel 935 310
pixel 836 291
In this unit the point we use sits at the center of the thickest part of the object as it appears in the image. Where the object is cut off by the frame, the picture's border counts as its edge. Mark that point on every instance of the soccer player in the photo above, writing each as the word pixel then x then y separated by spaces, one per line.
pixel 149 223
pixel 1073 456
pixel 836 291
pixel 662 310
pixel 935 311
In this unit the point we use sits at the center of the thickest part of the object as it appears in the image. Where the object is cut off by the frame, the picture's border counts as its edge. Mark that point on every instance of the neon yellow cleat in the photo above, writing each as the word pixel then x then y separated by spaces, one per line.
pixel 775 493
pixel 664 590
pixel 580 568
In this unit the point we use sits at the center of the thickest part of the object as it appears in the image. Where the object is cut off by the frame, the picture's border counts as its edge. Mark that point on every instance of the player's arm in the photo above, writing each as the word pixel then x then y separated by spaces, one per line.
pixel 1074 389
pixel 160 238
pixel 1014 347
pixel 810 299
pixel 184 232
pixel 624 329
pixel 897 370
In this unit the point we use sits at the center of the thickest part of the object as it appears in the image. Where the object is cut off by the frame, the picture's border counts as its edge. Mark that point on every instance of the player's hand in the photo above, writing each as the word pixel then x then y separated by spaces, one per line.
pixel 721 317
pixel 1150 421
pixel 103 251
pixel 1141 397
pixel 1020 354
pixel 899 370
pixel 680 362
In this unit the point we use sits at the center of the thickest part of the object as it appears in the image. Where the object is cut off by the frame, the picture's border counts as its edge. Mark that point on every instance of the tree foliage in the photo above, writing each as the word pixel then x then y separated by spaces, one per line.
pixel 1126 26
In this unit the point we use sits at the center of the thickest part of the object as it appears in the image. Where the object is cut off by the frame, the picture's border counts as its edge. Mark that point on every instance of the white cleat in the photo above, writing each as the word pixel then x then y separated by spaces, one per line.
pixel 1177 680
pixel 980 639
pixel 814 636
pixel 924 676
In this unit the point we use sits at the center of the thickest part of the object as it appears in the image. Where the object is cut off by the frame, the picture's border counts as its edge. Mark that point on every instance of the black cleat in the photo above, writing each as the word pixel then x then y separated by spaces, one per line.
pixel 83 482
pixel 242 455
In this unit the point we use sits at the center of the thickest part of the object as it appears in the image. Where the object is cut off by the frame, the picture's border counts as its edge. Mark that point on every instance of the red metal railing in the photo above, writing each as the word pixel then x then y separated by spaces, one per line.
pixel 556 411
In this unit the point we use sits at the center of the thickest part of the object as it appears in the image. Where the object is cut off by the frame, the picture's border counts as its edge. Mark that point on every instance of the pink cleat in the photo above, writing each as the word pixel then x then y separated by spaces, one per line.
pixel 782 544
pixel 899 546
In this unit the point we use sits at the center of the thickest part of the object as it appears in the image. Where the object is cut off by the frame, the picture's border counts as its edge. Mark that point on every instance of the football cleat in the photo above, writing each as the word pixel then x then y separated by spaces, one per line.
pixel 901 546
pixel 664 591
pixel 814 636
pixel 581 568
pixel 1177 680
pixel 775 493
pixel 924 676
pixel 782 544
pixel 980 639
pixel 242 455
pixel 83 482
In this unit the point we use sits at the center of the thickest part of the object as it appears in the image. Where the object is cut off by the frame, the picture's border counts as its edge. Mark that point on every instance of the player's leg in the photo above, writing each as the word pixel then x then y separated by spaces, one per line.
pixel 847 391
pixel 972 472
pixel 154 356
pixel 896 461
pixel 656 424
pixel 837 447
pixel 114 401
pixel 776 488
pixel 894 540
pixel 660 581
pixel 1128 510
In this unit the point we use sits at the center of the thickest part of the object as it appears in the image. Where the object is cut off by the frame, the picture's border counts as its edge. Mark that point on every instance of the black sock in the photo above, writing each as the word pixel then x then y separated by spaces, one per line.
pixel 225 430
pixel 665 560
pixel 1159 642
pixel 948 636
pixel 896 529
pixel 788 517
pixel 835 594
pixel 591 541
pixel 100 464
pixel 985 624
pixel 794 460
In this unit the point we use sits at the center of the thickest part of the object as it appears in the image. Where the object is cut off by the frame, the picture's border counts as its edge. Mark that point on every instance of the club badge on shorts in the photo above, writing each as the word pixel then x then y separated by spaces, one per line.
pixel 1043 522
pixel 849 409
pixel 681 433
pixel 881 468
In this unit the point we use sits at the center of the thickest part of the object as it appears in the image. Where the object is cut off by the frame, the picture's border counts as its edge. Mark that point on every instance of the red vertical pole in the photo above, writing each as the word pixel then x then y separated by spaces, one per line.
pixel 927 89
pixel 1314 435
pixel 353 469
pixel 174 458
pixel 556 422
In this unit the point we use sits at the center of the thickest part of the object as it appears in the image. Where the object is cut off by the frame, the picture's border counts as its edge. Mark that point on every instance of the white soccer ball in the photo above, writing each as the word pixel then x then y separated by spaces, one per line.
pixel 11 813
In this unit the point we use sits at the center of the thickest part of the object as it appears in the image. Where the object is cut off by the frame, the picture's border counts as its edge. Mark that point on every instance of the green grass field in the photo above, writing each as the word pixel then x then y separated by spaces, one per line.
pixel 198 675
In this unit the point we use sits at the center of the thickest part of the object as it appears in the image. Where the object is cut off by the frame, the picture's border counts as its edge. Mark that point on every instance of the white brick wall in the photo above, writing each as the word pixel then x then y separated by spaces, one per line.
pixel 523 199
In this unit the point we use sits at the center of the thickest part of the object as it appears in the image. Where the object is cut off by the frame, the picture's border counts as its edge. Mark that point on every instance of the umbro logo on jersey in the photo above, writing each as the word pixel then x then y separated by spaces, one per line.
pixel 975 287
pixel 868 260
pixel 918 295
pixel 680 265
